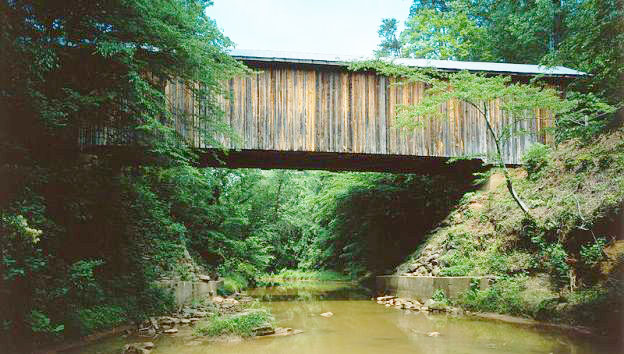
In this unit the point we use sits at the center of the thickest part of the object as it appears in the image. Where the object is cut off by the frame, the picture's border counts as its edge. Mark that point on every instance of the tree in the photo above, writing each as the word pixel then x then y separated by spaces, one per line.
pixel 390 45
pixel 71 64
pixel 518 100
pixel 436 34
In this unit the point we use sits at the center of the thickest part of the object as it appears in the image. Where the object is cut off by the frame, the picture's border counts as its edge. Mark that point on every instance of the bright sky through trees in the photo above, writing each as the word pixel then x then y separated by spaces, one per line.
pixel 321 26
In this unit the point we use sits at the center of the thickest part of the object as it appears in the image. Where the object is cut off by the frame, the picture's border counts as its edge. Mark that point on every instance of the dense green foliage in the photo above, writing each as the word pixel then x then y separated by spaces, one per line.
pixel 81 238
pixel 585 35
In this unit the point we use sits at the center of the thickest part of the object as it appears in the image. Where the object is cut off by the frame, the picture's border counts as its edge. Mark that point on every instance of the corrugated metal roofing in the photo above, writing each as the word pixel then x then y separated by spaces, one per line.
pixel 450 65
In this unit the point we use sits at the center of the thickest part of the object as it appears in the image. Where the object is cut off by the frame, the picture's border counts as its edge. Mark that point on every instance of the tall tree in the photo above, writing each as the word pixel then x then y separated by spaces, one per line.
pixel 71 64
pixel 390 45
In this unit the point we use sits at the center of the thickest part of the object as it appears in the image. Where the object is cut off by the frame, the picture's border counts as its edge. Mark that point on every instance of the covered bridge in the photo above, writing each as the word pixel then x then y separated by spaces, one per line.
pixel 308 111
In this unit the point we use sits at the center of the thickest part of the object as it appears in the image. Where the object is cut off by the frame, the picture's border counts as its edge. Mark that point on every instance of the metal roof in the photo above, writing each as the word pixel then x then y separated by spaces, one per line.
pixel 447 65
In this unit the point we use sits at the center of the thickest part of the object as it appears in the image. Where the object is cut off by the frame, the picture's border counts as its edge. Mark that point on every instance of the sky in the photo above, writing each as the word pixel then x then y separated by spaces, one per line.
pixel 347 27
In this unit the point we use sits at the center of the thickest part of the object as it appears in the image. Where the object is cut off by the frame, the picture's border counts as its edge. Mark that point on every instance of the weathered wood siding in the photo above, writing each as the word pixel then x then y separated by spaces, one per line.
pixel 289 107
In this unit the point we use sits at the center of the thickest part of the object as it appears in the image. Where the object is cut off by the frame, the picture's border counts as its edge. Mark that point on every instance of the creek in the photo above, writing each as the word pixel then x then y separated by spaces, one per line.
pixel 362 326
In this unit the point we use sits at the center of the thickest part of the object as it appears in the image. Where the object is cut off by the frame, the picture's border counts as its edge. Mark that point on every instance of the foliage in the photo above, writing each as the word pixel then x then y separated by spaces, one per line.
pixel 50 89
pixel 536 159
pixel 584 35
pixel 241 324
pixel 390 45
pixel 434 34
pixel 588 117
pixel 503 296
pixel 440 297
pixel 592 253
pixel 90 319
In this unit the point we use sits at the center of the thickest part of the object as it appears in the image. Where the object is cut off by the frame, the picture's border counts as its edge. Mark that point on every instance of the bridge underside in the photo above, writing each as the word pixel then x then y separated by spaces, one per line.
pixel 300 160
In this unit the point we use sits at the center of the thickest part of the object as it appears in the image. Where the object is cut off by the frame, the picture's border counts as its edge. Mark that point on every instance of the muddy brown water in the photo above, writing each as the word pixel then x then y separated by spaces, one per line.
pixel 362 326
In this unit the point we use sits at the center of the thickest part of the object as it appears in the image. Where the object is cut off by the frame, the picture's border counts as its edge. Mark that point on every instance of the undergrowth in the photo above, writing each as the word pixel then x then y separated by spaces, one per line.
pixel 553 265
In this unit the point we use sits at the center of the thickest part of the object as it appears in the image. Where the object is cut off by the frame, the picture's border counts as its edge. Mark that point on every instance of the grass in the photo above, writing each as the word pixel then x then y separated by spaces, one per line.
pixel 241 324
pixel 298 274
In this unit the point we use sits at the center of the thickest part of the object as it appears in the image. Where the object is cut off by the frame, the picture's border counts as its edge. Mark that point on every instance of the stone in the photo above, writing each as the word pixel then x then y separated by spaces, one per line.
pixel 198 313
pixel 217 299
pixel 264 330
pixel 385 298
pixel 185 321
pixel 193 319
pixel 388 305
pixel 380 302
pixel 154 323
pixel 327 314
pixel 138 348
pixel 435 271
pixel 204 277
pixel 424 308
pixel 171 331
pixel 433 334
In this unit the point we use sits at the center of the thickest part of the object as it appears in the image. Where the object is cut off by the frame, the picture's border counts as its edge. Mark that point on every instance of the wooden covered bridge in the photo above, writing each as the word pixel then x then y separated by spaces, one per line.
pixel 307 111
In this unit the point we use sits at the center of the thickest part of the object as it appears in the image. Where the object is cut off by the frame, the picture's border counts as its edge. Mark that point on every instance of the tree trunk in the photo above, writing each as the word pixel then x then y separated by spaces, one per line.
pixel 501 163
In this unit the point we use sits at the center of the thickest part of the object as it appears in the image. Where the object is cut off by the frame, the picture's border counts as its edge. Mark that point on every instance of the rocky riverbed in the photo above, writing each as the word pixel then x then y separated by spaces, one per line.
pixel 182 323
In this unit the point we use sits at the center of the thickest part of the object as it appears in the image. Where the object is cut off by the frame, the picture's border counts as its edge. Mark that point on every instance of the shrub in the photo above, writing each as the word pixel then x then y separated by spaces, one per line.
pixel 504 296
pixel 88 320
pixel 536 159
pixel 592 254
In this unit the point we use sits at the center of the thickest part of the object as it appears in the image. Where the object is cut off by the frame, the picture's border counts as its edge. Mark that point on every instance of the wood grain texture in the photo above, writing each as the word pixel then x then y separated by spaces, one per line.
pixel 329 109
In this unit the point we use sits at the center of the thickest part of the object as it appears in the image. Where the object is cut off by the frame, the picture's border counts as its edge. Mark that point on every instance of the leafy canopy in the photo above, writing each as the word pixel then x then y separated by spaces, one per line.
pixel 71 64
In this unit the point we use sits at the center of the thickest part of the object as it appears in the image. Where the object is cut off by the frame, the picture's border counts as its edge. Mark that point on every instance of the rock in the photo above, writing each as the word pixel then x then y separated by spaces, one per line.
pixel 264 330
pixel 166 320
pixel 138 348
pixel 217 299
pixel 327 314
pixel 230 301
pixel 433 334
pixel 380 302
pixel 424 308
pixel 388 305
pixel 154 323
pixel 198 313
pixel 385 298
pixel 171 331
pixel 193 319
pixel 185 321
pixel 204 277
pixel 279 331
pixel 435 271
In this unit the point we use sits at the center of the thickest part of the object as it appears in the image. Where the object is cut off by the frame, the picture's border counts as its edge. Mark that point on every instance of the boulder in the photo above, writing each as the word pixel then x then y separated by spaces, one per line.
pixel 171 331
pixel 204 277
pixel 327 314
